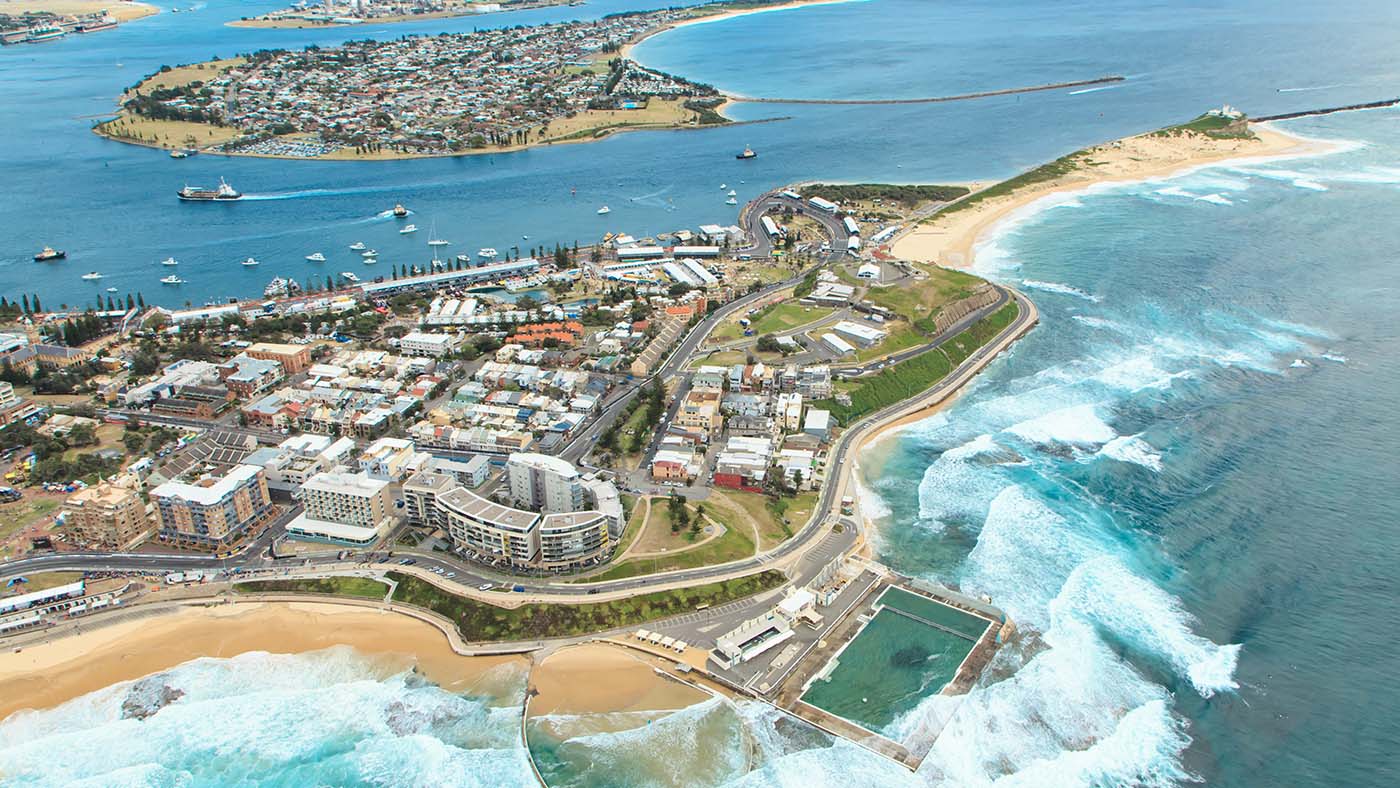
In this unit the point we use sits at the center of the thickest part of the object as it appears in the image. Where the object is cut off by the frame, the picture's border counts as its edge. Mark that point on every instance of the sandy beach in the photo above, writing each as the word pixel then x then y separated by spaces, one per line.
pixel 626 50
pixel 48 674
pixel 951 241
pixel 121 11
pixel 596 678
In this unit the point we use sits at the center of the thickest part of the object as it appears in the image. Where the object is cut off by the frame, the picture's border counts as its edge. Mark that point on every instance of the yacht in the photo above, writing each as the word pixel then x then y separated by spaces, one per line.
pixel 92 276
pixel 358 246
pixel 250 261
pixel 172 280
pixel 604 210
pixel 371 260
pixel 369 253
pixel 731 201
pixel 408 228
pixel 169 261
pixel 316 257
pixel 433 239
pixel 277 287
pixel 733 193
pixel 349 277
pixel 439 242
pixel 486 253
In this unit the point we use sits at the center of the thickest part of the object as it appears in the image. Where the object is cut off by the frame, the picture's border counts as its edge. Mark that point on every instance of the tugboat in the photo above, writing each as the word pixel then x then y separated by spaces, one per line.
pixel 200 194
pixel 747 154
pixel 49 253
pixel 400 211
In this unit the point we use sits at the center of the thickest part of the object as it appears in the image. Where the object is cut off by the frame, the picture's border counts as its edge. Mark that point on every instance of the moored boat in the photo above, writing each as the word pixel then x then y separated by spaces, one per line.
pixel 251 261
pixel 316 257
pixel 349 277
pixel 172 280
pixel 92 276
pixel 169 261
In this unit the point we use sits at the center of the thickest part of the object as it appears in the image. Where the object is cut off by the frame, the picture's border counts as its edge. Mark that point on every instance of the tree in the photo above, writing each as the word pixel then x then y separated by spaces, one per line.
pixel 133 441
pixel 769 344
pixel 82 435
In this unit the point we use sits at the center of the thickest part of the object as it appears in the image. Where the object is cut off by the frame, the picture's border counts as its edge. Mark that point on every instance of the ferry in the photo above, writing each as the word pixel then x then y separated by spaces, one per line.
pixel 316 257
pixel 172 280
pixel 92 276
pixel 169 261
pixel 358 246
pixel 400 211
pixel 604 210
pixel 49 253
pixel 251 261
pixel 46 33
pixel 200 194
pixel 349 277
pixel 747 154
pixel 486 253
pixel 408 228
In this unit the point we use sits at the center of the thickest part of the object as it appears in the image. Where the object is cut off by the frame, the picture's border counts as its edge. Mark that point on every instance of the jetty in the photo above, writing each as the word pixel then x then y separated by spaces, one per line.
pixel 938 99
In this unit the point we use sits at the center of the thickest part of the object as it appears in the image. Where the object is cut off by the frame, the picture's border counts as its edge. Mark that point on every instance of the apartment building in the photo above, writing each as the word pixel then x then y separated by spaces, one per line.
pixel 213 512
pixel 345 508
pixel 108 517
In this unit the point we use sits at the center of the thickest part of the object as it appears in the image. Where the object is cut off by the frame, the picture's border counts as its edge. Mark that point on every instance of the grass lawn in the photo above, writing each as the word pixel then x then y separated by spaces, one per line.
pixel 769 514
pixel 735 543
pixel 478 621
pixel 917 299
pixel 635 520
pixel 46 580
pixel 787 316
pixel 902 337
pixel 179 76
pixel 360 587
pixel 15 516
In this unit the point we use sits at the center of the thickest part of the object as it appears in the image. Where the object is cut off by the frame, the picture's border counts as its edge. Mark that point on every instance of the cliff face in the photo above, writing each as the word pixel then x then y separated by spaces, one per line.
pixel 985 295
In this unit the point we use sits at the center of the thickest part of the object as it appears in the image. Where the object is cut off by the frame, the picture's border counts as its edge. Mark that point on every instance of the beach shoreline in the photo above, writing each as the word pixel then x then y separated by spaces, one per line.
pixel 626 50
pixel 76 663
pixel 953 241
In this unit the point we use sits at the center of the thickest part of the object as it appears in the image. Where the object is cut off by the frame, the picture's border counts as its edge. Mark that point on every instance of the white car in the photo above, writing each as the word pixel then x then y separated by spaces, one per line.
pixel 485 587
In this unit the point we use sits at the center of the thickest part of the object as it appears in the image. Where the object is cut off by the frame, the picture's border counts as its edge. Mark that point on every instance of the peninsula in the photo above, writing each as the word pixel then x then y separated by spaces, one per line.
pixel 342 13
pixel 480 92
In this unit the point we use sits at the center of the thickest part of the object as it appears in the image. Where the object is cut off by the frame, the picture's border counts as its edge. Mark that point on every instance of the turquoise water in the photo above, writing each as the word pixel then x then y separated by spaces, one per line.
pixel 969 626
pixel 892 666
pixel 1181 485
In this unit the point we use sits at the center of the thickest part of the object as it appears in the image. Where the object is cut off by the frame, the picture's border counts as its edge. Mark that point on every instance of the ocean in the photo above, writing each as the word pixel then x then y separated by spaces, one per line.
pixel 1180 485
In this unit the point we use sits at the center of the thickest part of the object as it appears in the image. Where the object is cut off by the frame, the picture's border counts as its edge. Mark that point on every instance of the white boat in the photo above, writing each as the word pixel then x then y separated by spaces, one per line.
pixel 731 201
pixel 433 239
pixel 371 260
pixel 169 261
pixel 277 287
pixel 316 257
pixel 369 253
pixel 172 280
pixel 733 193
pixel 358 246
pixel 111 289
pixel 412 228
pixel 93 276
pixel 524 237
pixel 349 277
pixel 251 261
pixel 439 242
pixel 723 186
pixel 604 209
pixel 486 253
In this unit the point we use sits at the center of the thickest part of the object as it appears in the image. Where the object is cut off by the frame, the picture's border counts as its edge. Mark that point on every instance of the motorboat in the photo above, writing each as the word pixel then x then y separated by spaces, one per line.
pixel 169 261
pixel 358 246
pixel 172 280
pixel 604 210
pixel 369 253
pixel 111 289
pixel 486 253
pixel 408 228
pixel 251 261
pixel 316 257
pixel 731 201
pixel 349 277
pixel 92 276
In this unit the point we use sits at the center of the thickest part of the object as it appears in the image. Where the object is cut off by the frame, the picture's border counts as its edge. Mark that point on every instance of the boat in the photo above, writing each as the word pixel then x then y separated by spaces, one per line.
pixel 201 194
pixel 731 201
pixel 604 210
pixel 111 289
pixel 169 261
pixel 723 186
pixel 524 237
pixel 439 242
pixel 49 253
pixel 349 277
pixel 45 33
pixel 733 193
pixel 747 154
pixel 408 228
pixel 316 257
pixel 486 253
pixel 358 246
pixel 179 154
pixel 277 287
pixel 369 253
pixel 92 276
pixel 433 239
pixel 172 280
pixel 371 260
pixel 400 211
pixel 251 261
pixel 94 25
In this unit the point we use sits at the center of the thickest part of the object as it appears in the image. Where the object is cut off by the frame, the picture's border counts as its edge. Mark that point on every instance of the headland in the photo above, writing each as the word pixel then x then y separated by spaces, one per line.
pixel 375 12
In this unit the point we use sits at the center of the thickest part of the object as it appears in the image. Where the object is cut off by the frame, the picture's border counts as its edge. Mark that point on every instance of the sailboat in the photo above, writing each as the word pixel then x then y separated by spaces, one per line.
pixel 433 240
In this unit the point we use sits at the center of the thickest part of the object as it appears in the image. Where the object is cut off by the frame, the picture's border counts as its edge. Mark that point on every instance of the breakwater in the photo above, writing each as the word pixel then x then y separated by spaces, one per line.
pixel 937 99
pixel 1328 111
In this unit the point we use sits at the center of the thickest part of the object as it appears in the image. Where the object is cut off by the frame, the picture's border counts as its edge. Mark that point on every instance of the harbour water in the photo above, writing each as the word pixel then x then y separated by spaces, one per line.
pixel 1180 485
pixel 112 207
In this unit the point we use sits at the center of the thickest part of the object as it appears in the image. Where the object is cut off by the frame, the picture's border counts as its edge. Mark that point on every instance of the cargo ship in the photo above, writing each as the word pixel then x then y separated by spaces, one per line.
pixel 200 194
